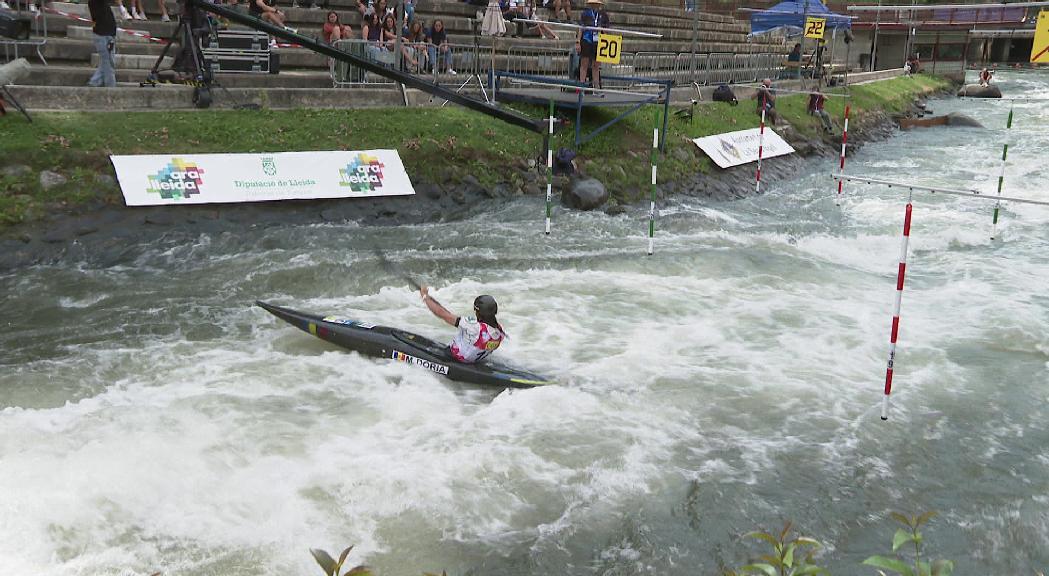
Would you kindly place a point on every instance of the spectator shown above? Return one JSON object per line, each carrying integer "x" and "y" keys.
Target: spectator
{"x": 409, "y": 10}
{"x": 104, "y": 32}
{"x": 437, "y": 45}
{"x": 371, "y": 31}
{"x": 382, "y": 9}
{"x": 512, "y": 10}
{"x": 985, "y": 77}
{"x": 915, "y": 65}
{"x": 365, "y": 8}
{"x": 541, "y": 30}
{"x": 389, "y": 36}
{"x": 795, "y": 55}
{"x": 415, "y": 39}
{"x": 334, "y": 30}
{"x": 816, "y": 59}
{"x": 558, "y": 6}
{"x": 266, "y": 10}
{"x": 586, "y": 40}
{"x": 688, "y": 5}
{"x": 766, "y": 98}
{"x": 816, "y": 102}
{"x": 493, "y": 24}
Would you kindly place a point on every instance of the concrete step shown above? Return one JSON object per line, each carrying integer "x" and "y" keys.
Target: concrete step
{"x": 85, "y": 33}
{"x": 135, "y": 61}
{"x": 133, "y": 97}
{"x": 73, "y": 75}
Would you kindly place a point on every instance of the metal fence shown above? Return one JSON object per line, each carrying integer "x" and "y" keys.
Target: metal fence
{"x": 683, "y": 68}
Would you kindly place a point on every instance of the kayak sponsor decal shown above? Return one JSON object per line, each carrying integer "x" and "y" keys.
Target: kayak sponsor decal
{"x": 187, "y": 178}
{"x": 363, "y": 174}
{"x": 177, "y": 180}
{"x": 433, "y": 366}
{"x": 348, "y": 322}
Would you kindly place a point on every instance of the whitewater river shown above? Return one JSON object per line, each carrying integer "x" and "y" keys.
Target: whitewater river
{"x": 152, "y": 419}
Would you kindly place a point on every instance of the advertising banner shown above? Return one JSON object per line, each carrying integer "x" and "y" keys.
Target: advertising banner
{"x": 148, "y": 180}
{"x": 736, "y": 148}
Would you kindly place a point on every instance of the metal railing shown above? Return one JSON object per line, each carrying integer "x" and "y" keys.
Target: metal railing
{"x": 682, "y": 68}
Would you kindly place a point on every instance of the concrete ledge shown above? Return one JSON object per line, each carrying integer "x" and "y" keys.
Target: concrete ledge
{"x": 181, "y": 98}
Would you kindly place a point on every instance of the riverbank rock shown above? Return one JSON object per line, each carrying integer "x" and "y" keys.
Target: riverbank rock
{"x": 49, "y": 179}
{"x": 15, "y": 170}
{"x": 585, "y": 194}
{"x": 956, "y": 119}
{"x": 977, "y": 91}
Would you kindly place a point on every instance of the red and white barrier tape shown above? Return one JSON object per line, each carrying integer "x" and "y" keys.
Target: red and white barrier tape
{"x": 80, "y": 18}
{"x": 146, "y": 35}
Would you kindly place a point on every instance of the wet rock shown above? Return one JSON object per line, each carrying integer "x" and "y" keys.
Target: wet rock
{"x": 15, "y": 170}
{"x": 531, "y": 189}
{"x": 680, "y": 154}
{"x": 615, "y": 210}
{"x": 428, "y": 190}
{"x": 957, "y": 119}
{"x": 105, "y": 180}
{"x": 585, "y": 194}
{"x": 49, "y": 179}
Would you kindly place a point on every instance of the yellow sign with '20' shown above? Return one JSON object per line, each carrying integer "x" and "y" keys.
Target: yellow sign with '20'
{"x": 609, "y": 48}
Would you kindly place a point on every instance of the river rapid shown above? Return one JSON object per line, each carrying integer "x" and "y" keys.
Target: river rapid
{"x": 152, "y": 419}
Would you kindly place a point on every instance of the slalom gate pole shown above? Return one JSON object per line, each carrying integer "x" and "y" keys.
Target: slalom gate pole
{"x": 655, "y": 168}
{"x": 549, "y": 165}
{"x": 1001, "y": 174}
{"x": 841, "y": 166}
{"x": 896, "y": 308}
{"x": 761, "y": 146}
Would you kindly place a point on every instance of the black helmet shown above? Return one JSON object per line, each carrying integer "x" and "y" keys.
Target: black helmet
{"x": 485, "y": 306}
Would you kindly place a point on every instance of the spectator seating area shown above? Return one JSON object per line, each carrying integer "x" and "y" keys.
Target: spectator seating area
{"x": 70, "y": 54}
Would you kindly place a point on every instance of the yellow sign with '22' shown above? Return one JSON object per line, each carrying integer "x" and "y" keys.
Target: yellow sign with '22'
{"x": 814, "y": 27}
{"x": 609, "y": 48}
{"x": 1040, "y": 50}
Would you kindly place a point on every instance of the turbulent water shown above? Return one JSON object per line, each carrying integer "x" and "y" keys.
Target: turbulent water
{"x": 152, "y": 419}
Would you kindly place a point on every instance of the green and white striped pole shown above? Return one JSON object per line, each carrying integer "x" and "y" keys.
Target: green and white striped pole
{"x": 1001, "y": 174}
{"x": 655, "y": 167}
{"x": 549, "y": 166}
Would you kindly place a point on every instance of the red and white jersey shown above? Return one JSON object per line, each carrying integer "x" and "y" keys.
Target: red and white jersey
{"x": 475, "y": 340}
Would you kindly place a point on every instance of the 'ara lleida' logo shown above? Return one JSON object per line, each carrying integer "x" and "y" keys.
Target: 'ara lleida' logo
{"x": 177, "y": 180}
{"x": 363, "y": 174}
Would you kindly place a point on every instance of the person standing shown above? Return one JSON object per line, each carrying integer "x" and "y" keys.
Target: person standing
{"x": 104, "y": 33}
{"x": 816, "y": 103}
{"x": 586, "y": 41}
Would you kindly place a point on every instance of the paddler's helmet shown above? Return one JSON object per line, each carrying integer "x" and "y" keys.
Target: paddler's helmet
{"x": 485, "y": 306}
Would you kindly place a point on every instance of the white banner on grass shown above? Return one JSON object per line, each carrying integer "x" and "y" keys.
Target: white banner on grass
{"x": 207, "y": 178}
{"x": 736, "y": 148}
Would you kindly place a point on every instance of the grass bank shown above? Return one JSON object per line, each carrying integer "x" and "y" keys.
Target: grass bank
{"x": 440, "y": 145}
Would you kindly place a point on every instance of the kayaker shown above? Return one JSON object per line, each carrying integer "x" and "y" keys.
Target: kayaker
{"x": 478, "y": 335}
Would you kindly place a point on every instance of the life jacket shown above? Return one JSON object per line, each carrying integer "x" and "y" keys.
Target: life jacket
{"x": 468, "y": 348}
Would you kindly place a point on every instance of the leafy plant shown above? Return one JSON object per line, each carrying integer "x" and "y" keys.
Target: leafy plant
{"x": 911, "y": 534}
{"x": 333, "y": 568}
{"x": 786, "y": 558}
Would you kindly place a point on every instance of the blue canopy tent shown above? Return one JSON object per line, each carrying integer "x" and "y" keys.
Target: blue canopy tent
{"x": 791, "y": 15}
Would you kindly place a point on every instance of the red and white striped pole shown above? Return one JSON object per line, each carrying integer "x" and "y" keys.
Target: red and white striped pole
{"x": 841, "y": 167}
{"x": 761, "y": 145}
{"x": 896, "y": 309}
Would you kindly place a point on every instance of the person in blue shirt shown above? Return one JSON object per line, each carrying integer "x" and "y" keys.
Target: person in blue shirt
{"x": 586, "y": 40}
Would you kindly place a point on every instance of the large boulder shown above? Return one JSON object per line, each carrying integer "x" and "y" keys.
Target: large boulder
{"x": 977, "y": 91}
{"x": 585, "y": 194}
{"x": 956, "y": 119}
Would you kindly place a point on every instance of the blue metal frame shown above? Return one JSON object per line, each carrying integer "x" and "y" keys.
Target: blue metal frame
{"x": 580, "y": 138}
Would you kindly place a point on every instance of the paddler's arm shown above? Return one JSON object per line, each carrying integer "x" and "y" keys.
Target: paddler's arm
{"x": 435, "y": 307}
